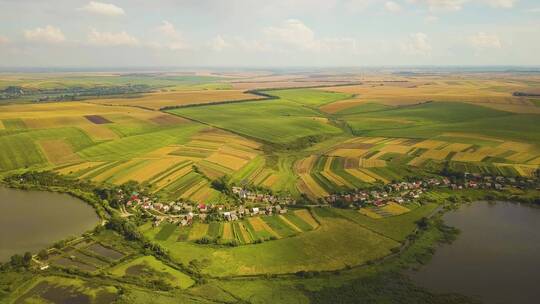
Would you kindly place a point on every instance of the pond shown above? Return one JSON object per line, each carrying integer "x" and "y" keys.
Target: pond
{"x": 33, "y": 220}
{"x": 496, "y": 257}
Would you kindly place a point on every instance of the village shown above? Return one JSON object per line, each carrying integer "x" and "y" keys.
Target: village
{"x": 404, "y": 192}
{"x": 253, "y": 203}
{"x": 184, "y": 212}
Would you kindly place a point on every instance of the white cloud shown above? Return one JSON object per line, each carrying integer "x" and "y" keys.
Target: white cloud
{"x": 441, "y": 5}
{"x": 101, "y": 8}
{"x": 219, "y": 44}
{"x": 456, "y": 5}
{"x": 417, "y": 44}
{"x": 49, "y": 34}
{"x": 431, "y": 19}
{"x": 357, "y": 5}
{"x": 534, "y": 10}
{"x": 293, "y": 33}
{"x": 501, "y": 3}
{"x": 392, "y": 6}
{"x": 483, "y": 40}
{"x": 111, "y": 39}
{"x": 174, "y": 38}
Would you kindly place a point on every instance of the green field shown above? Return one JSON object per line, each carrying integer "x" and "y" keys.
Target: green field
{"x": 346, "y": 242}
{"x": 309, "y": 97}
{"x": 151, "y": 267}
{"x": 274, "y": 121}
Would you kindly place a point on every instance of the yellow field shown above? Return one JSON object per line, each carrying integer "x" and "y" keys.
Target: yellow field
{"x": 260, "y": 225}
{"x": 535, "y": 161}
{"x": 369, "y": 213}
{"x": 526, "y": 170}
{"x": 429, "y": 144}
{"x": 244, "y": 232}
{"x": 98, "y": 132}
{"x": 290, "y": 223}
{"x": 517, "y": 146}
{"x": 204, "y": 194}
{"x": 227, "y": 232}
{"x": 189, "y": 192}
{"x": 197, "y": 231}
{"x": 374, "y": 175}
{"x": 111, "y": 172}
{"x": 521, "y": 157}
{"x": 78, "y": 167}
{"x": 305, "y": 165}
{"x": 171, "y": 178}
{"x": 151, "y": 169}
{"x": 393, "y": 148}
{"x": 312, "y": 185}
{"x": 361, "y": 175}
{"x": 476, "y": 91}
{"x": 247, "y": 155}
{"x": 270, "y": 180}
{"x": 306, "y": 217}
{"x": 436, "y": 154}
{"x": 395, "y": 209}
{"x": 58, "y": 151}
{"x": 345, "y": 152}
{"x": 371, "y": 163}
{"x": 156, "y": 101}
{"x": 226, "y": 160}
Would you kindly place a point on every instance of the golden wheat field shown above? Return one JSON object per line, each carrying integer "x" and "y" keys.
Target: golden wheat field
{"x": 156, "y": 101}
{"x": 406, "y": 92}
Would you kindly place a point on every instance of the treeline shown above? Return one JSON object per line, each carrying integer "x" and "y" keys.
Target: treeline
{"x": 52, "y": 181}
{"x": 73, "y": 93}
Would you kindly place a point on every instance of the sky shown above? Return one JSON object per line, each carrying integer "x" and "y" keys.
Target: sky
{"x": 269, "y": 33}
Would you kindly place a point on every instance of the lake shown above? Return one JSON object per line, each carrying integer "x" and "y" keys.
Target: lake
{"x": 496, "y": 258}
{"x": 33, "y": 220}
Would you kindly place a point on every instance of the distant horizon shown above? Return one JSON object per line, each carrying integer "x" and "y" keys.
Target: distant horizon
{"x": 150, "y": 69}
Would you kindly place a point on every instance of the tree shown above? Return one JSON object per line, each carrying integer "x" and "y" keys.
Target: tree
{"x": 43, "y": 254}
{"x": 27, "y": 259}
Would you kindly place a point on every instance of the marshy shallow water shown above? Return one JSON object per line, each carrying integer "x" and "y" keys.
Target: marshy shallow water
{"x": 496, "y": 257}
{"x": 32, "y": 220}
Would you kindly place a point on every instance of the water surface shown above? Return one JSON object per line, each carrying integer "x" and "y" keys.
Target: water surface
{"x": 32, "y": 220}
{"x": 496, "y": 258}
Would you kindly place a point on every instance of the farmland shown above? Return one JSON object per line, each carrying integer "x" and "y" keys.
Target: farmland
{"x": 204, "y": 145}
{"x": 291, "y": 250}
{"x": 249, "y": 231}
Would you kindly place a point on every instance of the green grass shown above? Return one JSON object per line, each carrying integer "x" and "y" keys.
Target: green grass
{"x": 154, "y": 269}
{"x": 131, "y": 146}
{"x": 14, "y": 124}
{"x": 395, "y": 227}
{"x": 297, "y": 221}
{"x": 215, "y": 230}
{"x": 166, "y": 231}
{"x": 275, "y": 121}
{"x": 21, "y": 150}
{"x": 279, "y": 226}
{"x": 364, "y": 108}
{"x": 341, "y": 241}
{"x": 309, "y": 97}
{"x": 433, "y": 119}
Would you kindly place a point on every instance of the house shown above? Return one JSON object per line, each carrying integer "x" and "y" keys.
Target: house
{"x": 255, "y": 210}
{"x": 202, "y": 208}
{"x": 236, "y": 190}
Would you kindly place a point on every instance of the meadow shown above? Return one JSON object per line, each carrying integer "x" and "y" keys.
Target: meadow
{"x": 274, "y": 121}
{"x": 335, "y": 244}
